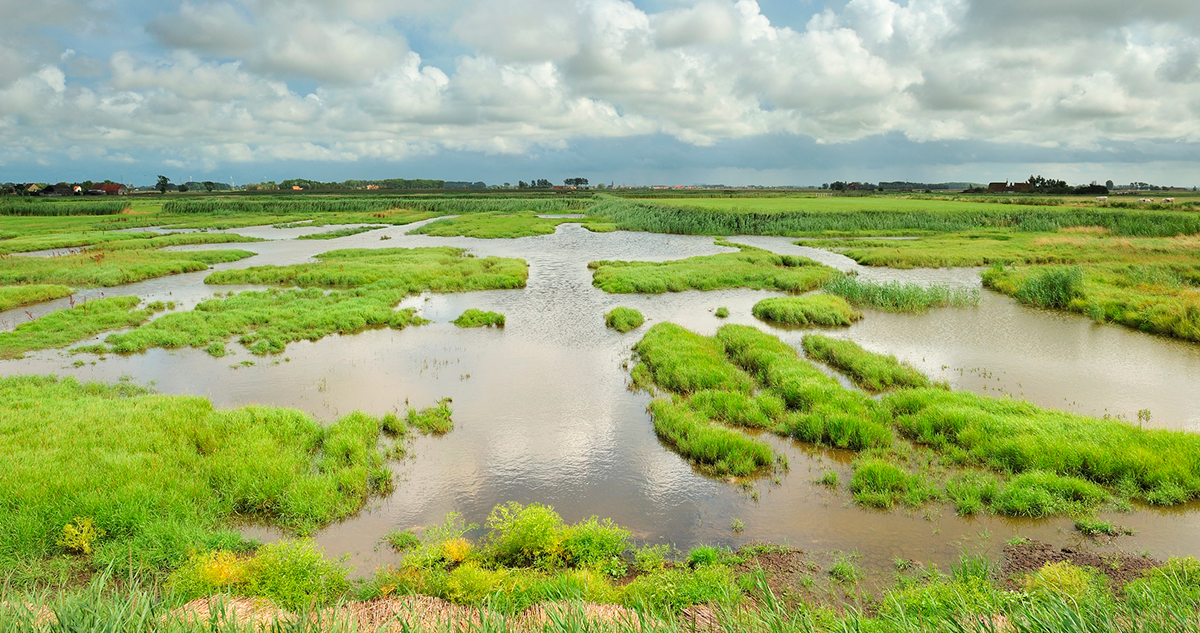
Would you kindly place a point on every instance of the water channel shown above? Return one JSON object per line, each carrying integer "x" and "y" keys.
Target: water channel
{"x": 542, "y": 412}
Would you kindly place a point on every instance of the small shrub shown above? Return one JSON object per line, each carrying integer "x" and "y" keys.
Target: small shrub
{"x": 624, "y": 319}
{"x": 598, "y": 545}
{"x": 295, "y": 575}
{"x": 79, "y": 536}
{"x": 456, "y": 550}
{"x": 207, "y": 574}
{"x": 479, "y": 318}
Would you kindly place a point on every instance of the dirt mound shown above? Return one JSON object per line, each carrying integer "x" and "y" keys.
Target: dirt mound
{"x": 1119, "y": 568}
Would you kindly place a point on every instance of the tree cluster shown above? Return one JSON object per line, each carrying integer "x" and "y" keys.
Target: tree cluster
{"x": 540, "y": 183}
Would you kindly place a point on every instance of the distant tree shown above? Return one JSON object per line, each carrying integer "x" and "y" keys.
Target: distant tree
{"x": 1109, "y": 184}
{"x": 164, "y": 183}
{"x": 838, "y": 186}
{"x": 576, "y": 182}
{"x": 87, "y": 185}
{"x": 521, "y": 184}
{"x": 209, "y": 185}
{"x": 183, "y": 188}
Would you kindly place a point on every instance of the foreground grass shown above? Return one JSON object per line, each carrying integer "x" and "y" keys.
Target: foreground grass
{"x": 895, "y": 296}
{"x": 874, "y": 372}
{"x": 818, "y": 309}
{"x": 95, "y": 475}
{"x": 752, "y": 268}
{"x": 18, "y": 296}
{"x": 918, "y": 443}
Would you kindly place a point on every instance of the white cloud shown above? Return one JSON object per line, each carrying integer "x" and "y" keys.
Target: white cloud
{"x": 543, "y": 72}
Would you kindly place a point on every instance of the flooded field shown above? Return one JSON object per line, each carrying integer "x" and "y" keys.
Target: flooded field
{"x": 543, "y": 413}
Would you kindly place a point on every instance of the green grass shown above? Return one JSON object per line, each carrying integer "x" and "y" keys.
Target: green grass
{"x": 491, "y": 225}
{"x": 105, "y": 268}
{"x": 880, "y": 483}
{"x": 722, "y": 312}
{"x": 874, "y": 372}
{"x": 332, "y": 235}
{"x": 1090, "y": 526}
{"x": 624, "y": 319}
{"x": 29, "y": 237}
{"x": 714, "y": 449}
{"x": 40, "y": 207}
{"x": 1156, "y": 466}
{"x": 265, "y": 322}
{"x": 818, "y": 309}
{"x": 65, "y": 327}
{"x": 18, "y": 296}
{"x": 164, "y": 476}
{"x": 895, "y": 296}
{"x": 435, "y": 420}
{"x": 750, "y": 268}
{"x": 479, "y": 318}
{"x": 684, "y": 362}
{"x": 412, "y": 270}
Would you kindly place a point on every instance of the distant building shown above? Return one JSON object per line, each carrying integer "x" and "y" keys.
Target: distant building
{"x": 1010, "y": 187}
{"x": 110, "y": 189}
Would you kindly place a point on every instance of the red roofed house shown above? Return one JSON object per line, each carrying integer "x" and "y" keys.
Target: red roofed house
{"x": 112, "y": 189}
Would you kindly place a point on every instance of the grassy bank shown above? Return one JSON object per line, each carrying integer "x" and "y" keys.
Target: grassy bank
{"x": 819, "y": 309}
{"x": 66, "y": 327}
{"x": 874, "y": 372}
{"x": 895, "y": 296}
{"x": 333, "y": 235}
{"x": 624, "y": 319}
{"x": 18, "y": 296}
{"x": 918, "y": 444}
{"x": 750, "y": 268}
{"x": 97, "y": 475}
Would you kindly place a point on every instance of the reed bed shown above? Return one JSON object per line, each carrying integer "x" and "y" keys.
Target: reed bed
{"x": 66, "y": 327}
{"x": 895, "y": 296}
{"x": 18, "y": 296}
{"x": 55, "y": 208}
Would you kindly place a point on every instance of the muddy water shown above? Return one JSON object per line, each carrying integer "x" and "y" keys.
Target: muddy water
{"x": 542, "y": 412}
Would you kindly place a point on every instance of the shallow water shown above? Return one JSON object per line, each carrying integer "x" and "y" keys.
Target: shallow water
{"x": 542, "y": 412}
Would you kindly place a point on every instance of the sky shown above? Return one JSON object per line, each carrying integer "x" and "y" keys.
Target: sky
{"x": 778, "y": 92}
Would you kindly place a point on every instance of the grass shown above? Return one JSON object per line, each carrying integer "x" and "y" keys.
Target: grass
{"x": 18, "y": 296}
{"x": 818, "y": 309}
{"x": 479, "y": 318}
{"x": 266, "y": 321}
{"x": 879, "y": 483}
{"x": 714, "y": 449}
{"x": 162, "y": 476}
{"x": 38, "y": 207}
{"x": 332, "y": 235}
{"x": 492, "y": 225}
{"x": 624, "y": 319}
{"x": 895, "y": 296}
{"x": 874, "y": 372}
{"x": 722, "y": 312}
{"x": 435, "y": 420}
{"x": 106, "y": 268}
{"x": 412, "y": 270}
{"x": 750, "y": 268}
{"x": 27, "y": 237}
{"x": 684, "y": 362}
{"x": 65, "y": 327}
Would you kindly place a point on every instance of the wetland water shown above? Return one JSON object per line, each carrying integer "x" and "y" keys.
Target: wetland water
{"x": 542, "y": 412}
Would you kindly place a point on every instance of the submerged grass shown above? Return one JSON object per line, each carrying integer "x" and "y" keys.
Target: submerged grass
{"x": 435, "y": 420}
{"x": 895, "y": 296}
{"x": 624, "y": 319}
{"x": 18, "y": 296}
{"x": 157, "y": 477}
{"x": 750, "y": 268}
{"x": 874, "y": 372}
{"x": 479, "y": 318}
{"x": 818, "y": 309}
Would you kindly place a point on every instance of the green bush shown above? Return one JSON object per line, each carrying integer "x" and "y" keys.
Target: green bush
{"x": 525, "y": 536}
{"x": 596, "y": 544}
{"x": 819, "y": 309}
{"x": 624, "y": 319}
{"x": 292, "y": 573}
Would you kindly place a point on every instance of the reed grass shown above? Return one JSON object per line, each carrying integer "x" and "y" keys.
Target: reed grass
{"x": 478, "y": 318}
{"x": 874, "y": 372}
{"x": 818, "y": 309}
{"x": 624, "y": 319}
{"x": 895, "y": 296}
{"x": 18, "y": 296}
{"x": 752, "y": 268}
{"x": 44, "y": 208}
{"x": 162, "y": 476}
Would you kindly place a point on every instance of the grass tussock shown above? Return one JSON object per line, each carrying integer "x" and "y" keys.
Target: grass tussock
{"x": 435, "y": 420}
{"x": 895, "y": 296}
{"x": 99, "y": 475}
{"x": 874, "y": 372}
{"x": 750, "y": 268}
{"x": 714, "y": 449}
{"x": 333, "y": 235}
{"x": 624, "y": 319}
{"x": 818, "y": 309}
{"x": 479, "y": 318}
{"x": 19, "y": 296}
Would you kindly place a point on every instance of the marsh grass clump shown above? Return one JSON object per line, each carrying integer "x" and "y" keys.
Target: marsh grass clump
{"x": 175, "y": 472}
{"x": 684, "y": 362}
{"x": 1052, "y": 287}
{"x": 479, "y": 318}
{"x": 493, "y": 225}
{"x": 624, "y": 319}
{"x": 750, "y": 268}
{"x": 713, "y": 448}
{"x": 106, "y": 268}
{"x": 401, "y": 540}
{"x": 874, "y": 372}
{"x": 18, "y": 296}
{"x": 435, "y": 420}
{"x": 1091, "y": 526}
{"x": 722, "y": 312}
{"x": 1040, "y": 493}
{"x": 346, "y": 232}
{"x": 895, "y": 296}
{"x": 818, "y": 309}
{"x": 880, "y": 483}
